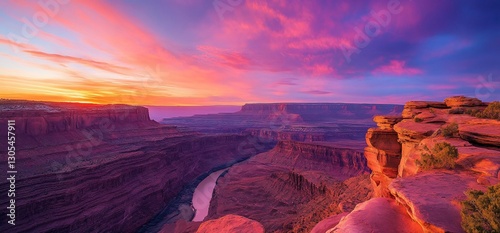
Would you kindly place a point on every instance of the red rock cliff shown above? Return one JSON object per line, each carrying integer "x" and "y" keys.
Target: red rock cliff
{"x": 39, "y": 118}
{"x": 431, "y": 196}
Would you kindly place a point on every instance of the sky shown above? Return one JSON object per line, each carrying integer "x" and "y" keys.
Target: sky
{"x": 231, "y": 52}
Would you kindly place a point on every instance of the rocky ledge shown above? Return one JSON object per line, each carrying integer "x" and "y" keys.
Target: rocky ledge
{"x": 426, "y": 200}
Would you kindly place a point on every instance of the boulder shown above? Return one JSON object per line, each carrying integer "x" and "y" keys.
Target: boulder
{"x": 378, "y": 215}
{"x": 462, "y": 101}
{"x": 231, "y": 223}
{"x": 328, "y": 223}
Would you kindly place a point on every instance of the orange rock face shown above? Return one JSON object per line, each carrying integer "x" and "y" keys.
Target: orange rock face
{"x": 462, "y": 101}
{"x": 485, "y": 132}
{"x": 328, "y": 223}
{"x": 383, "y": 153}
{"x": 378, "y": 215}
{"x": 431, "y": 197}
{"x": 231, "y": 223}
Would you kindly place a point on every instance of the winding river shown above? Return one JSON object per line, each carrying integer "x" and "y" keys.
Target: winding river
{"x": 203, "y": 194}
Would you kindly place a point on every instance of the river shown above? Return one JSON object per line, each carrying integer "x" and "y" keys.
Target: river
{"x": 203, "y": 194}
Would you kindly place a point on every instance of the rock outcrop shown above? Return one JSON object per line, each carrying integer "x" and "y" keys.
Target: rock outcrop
{"x": 462, "y": 101}
{"x": 383, "y": 153}
{"x": 481, "y": 131}
{"x": 378, "y": 215}
{"x": 431, "y": 197}
{"x": 328, "y": 223}
{"x": 78, "y": 174}
{"x": 231, "y": 223}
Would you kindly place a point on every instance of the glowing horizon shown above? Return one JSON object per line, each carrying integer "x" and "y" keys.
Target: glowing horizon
{"x": 218, "y": 52}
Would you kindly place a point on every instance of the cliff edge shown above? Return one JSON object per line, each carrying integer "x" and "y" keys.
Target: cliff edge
{"x": 399, "y": 152}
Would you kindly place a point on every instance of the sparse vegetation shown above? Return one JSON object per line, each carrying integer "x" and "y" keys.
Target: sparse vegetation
{"x": 490, "y": 112}
{"x": 443, "y": 155}
{"x": 418, "y": 119}
{"x": 481, "y": 211}
{"x": 451, "y": 130}
{"x": 457, "y": 111}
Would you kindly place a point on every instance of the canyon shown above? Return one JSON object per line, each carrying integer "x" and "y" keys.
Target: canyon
{"x": 292, "y": 121}
{"x": 284, "y": 167}
{"x": 87, "y": 168}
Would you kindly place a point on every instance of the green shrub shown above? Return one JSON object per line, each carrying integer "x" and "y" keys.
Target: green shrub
{"x": 490, "y": 112}
{"x": 450, "y": 130}
{"x": 481, "y": 211}
{"x": 418, "y": 119}
{"x": 443, "y": 155}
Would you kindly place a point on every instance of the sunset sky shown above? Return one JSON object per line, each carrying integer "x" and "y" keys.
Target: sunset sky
{"x": 229, "y": 52}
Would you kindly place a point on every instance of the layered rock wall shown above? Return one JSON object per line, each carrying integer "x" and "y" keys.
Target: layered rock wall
{"x": 40, "y": 118}
{"x": 310, "y": 111}
{"x": 431, "y": 196}
{"x": 80, "y": 177}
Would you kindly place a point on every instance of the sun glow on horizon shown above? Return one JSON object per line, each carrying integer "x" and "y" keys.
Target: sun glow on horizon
{"x": 183, "y": 53}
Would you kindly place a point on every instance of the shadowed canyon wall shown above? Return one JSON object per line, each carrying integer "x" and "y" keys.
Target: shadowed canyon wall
{"x": 84, "y": 168}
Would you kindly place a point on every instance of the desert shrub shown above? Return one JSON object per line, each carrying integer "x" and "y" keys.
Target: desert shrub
{"x": 418, "y": 119}
{"x": 490, "y": 112}
{"x": 481, "y": 211}
{"x": 456, "y": 111}
{"x": 450, "y": 130}
{"x": 442, "y": 155}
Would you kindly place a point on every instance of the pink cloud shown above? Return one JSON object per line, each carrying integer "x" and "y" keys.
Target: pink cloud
{"x": 224, "y": 57}
{"x": 396, "y": 67}
{"x": 440, "y": 87}
{"x": 320, "y": 69}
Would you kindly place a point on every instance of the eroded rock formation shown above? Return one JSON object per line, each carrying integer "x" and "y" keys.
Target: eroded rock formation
{"x": 430, "y": 197}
